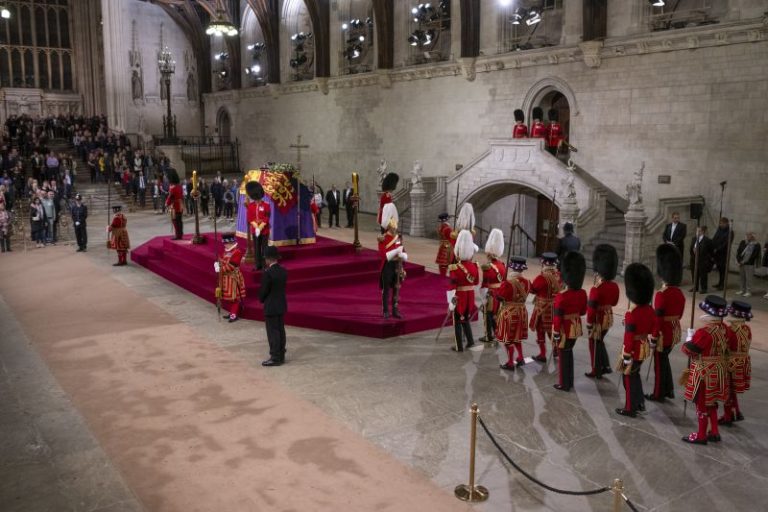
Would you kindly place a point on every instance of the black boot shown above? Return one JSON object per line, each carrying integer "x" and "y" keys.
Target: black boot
{"x": 385, "y": 301}
{"x": 395, "y": 301}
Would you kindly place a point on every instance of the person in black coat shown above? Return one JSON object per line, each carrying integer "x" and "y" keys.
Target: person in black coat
{"x": 721, "y": 242}
{"x": 333, "y": 199}
{"x": 349, "y": 205}
{"x": 675, "y": 233}
{"x": 703, "y": 245}
{"x": 568, "y": 243}
{"x": 79, "y": 216}
{"x": 272, "y": 295}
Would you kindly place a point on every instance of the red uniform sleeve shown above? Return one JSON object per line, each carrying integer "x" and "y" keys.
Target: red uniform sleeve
{"x": 629, "y": 333}
{"x": 697, "y": 345}
{"x": 583, "y": 301}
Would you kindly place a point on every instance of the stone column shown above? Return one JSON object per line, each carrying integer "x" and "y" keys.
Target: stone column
{"x": 633, "y": 243}
{"x": 569, "y": 212}
{"x": 572, "y": 23}
{"x": 417, "y": 209}
{"x": 116, "y": 69}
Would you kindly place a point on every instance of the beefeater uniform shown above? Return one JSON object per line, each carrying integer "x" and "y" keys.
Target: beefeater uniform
{"x": 512, "y": 318}
{"x": 118, "y": 238}
{"x": 739, "y": 363}
{"x": 258, "y": 216}
{"x": 545, "y": 286}
{"x": 232, "y": 282}
{"x": 603, "y": 297}
{"x": 669, "y": 304}
{"x": 175, "y": 204}
{"x": 445, "y": 249}
{"x": 494, "y": 275}
{"x": 464, "y": 276}
{"x": 570, "y": 305}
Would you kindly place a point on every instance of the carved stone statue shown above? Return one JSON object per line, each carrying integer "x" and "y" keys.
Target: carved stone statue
{"x": 570, "y": 181}
{"x": 137, "y": 87}
{"x": 416, "y": 174}
{"x": 191, "y": 87}
{"x": 382, "y": 171}
{"x": 635, "y": 188}
{"x": 134, "y": 59}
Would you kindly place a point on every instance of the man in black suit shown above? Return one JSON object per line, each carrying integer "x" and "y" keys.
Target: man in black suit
{"x": 333, "y": 199}
{"x": 79, "y": 216}
{"x": 721, "y": 242}
{"x": 702, "y": 245}
{"x": 348, "y": 204}
{"x": 272, "y": 295}
{"x": 569, "y": 242}
{"x": 675, "y": 233}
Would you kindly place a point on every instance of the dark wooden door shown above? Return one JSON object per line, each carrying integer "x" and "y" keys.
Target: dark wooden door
{"x": 547, "y": 215}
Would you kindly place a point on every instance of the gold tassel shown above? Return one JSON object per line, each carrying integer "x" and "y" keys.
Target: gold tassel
{"x": 683, "y": 381}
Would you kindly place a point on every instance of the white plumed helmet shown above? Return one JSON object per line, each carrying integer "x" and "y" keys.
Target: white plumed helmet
{"x": 389, "y": 215}
{"x": 494, "y": 246}
{"x": 465, "y": 246}
{"x": 466, "y": 218}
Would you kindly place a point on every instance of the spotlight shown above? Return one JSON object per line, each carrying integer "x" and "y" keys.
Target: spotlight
{"x": 533, "y": 17}
{"x": 657, "y": 3}
{"x": 415, "y": 10}
{"x": 505, "y": 3}
{"x": 361, "y": 38}
{"x": 251, "y": 46}
{"x": 413, "y": 39}
{"x": 518, "y": 15}
{"x": 255, "y": 69}
{"x": 344, "y": 26}
{"x": 5, "y": 13}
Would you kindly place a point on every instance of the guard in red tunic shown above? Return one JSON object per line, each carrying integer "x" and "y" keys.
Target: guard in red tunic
{"x": 393, "y": 256}
{"x": 545, "y": 286}
{"x": 258, "y": 216}
{"x": 739, "y": 362}
{"x": 669, "y": 304}
{"x": 538, "y": 128}
{"x": 465, "y": 275}
{"x": 494, "y": 272}
{"x": 512, "y": 318}
{"x": 705, "y": 379}
{"x": 520, "y": 130}
{"x": 569, "y": 306}
{"x": 603, "y": 296}
{"x": 638, "y": 325}
{"x": 118, "y": 236}
{"x": 445, "y": 250}
{"x": 175, "y": 204}
{"x": 388, "y": 186}
{"x": 231, "y": 285}
{"x": 554, "y": 132}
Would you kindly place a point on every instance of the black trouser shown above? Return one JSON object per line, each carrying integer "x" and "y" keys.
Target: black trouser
{"x": 633, "y": 388}
{"x": 259, "y": 246}
{"x": 490, "y": 326}
{"x": 333, "y": 212}
{"x": 217, "y": 205}
{"x": 178, "y": 224}
{"x": 565, "y": 364}
{"x": 388, "y": 282}
{"x": 276, "y": 336}
{"x": 5, "y": 242}
{"x": 664, "y": 385}
{"x": 701, "y": 285}
{"x": 350, "y": 215}
{"x": 462, "y": 328}
{"x": 721, "y": 268}
{"x": 81, "y": 233}
{"x": 142, "y": 197}
{"x": 600, "y": 364}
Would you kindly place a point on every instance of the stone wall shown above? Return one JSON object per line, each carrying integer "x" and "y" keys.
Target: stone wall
{"x": 690, "y": 103}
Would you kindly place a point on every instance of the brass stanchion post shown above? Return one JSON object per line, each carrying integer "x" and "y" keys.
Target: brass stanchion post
{"x": 618, "y": 491}
{"x": 472, "y": 492}
{"x": 356, "y": 199}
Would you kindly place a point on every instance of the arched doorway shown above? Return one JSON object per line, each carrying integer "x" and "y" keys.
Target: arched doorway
{"x": 527, "y": 217}
{"x": 224, "y": 125}
{"x": 555, "y": 100}
{"x": 553, "y": 93}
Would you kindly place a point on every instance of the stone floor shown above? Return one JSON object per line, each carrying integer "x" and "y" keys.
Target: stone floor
{"x": 409, "y": 396}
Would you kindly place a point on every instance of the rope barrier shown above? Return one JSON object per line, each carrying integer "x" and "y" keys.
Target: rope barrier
{"x": 629, "y": 503}
{"x": 532, "y": 478}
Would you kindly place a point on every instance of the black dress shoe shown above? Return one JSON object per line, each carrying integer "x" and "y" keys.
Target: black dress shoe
{"x": 739, "y": 417}
{"x": 654, "y": 399}
{"x": 225, "y": 317}
{"x": 271, "y": 362}
{"x": 591, "y": 375}
{"x": 457, "y": 349}
{"x": 561, "y": 388}
{"x": 386, "y": 315}
{"x": 520, "y": 362}
{"x": 117, "y": 264}
{"x": 540, "y": 359}
{"x": 396, "y": 314}
{"x": 79, "y": 249}
{"x": 670, "y": 395}
{"x": 607, "y": 370}
{"x": 624, "y": 412}
{"x": 714, "y": 438}
{"x": 471, "y": 344}
{"x": 693, "y": 439}
{"x": 507, "y": 366}
{"x": 233, "y": 319}
{"x": 641, "y": 408}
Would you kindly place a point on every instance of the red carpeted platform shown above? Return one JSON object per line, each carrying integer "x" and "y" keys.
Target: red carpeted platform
{"x": 330, "y": 286}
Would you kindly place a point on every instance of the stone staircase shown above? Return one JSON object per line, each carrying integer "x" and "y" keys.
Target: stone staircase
{"x": 614, "y": 233}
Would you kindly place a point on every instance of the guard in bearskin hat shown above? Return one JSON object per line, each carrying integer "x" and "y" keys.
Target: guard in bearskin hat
{"x": 231, "y": 285}
{"x": 118, "y": 236}
{"x": 520, "y": 130}
{"x": 538, "y": 128}
{"x": 494, "y": 272}
{"x": 569, "y": 306}
{"x": 669, "y": 304}
{"x": 393, "y": 256}
{"x": 603, "y": 296}
{"x": 739, "y": 362}
{"x": 512, "y": 318}
{"x": 544, "y": 287}
{"x": 638, "y": 325}
{"x": 175, "y": 203}
{"x": 258, "y": 216}
{"x": 705, "y": 378}
{"x": 554, "y": 132}
{"x": 465, "y": 275}
{"x": 388, "y": 186}
{"x": 445, "y": 250}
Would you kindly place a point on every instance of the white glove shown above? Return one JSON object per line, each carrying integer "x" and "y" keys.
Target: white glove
{"x": 691, "y": 332}
{"x": 627, "y": 360}
{"x": 404, "y": 256}
{"x": 451, "y": 296}
{"x": 216, "y": 266}
{"x": 77, "y": 223}
{"x": 393, "y": 253}
{"x": 257, "y": 232}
